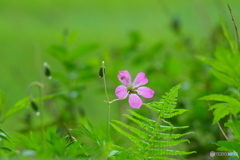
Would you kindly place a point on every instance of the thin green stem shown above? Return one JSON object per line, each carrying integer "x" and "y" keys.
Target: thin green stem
{"x": 220, "y": 127}
{"x": 104, "y": 81}
{"x": 40, "y": 84}
{"x": 109, "y": 104}
{"x": 41, "y": 110}
{"x": 117, "y": 99}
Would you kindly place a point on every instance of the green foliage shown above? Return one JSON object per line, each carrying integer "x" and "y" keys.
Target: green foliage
{"x": 151, "y": 138}
{"x": 79, "y": 68}
{"x": 50, "y": 144}
{"x": 167, "y": 58}
{"x": 68, "y": 54}
{"x": 98, "y": 145}
{"x": 25, "y": 102}
{"x": 234, "y": 124}
{"x": 4, "y": 136}
{"x": 231, "y": 43}
{"x": 228, "y": 106}
{"x": 233, "y": 146}
{"x": 225, "y": 66}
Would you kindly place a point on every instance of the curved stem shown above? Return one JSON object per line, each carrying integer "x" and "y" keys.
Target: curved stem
{"x": 109, "y": 107}
{"x": 220, "y": 127}
{"x": 29, "y": 91}
{"x": 117, "y": 99}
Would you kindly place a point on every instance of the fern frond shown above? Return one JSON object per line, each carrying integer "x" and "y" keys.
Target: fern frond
{"x": 140, "y": 117}
{"x": 173, "y": 136}
{"x": 167, "y": 128}
{"x": 168, "y": 143}
{"x": 143, "y": 125}
{"x": 131, "y": 137}
{"x": 123, "y": 153}
{"x": 134, "y": 130}
{"x": 173, "y": 112}
{"x": 153, "y": 106}
{"x": 150, "y": 137}
{"x": 168, "y": 152}
{"x": 162, "y": 158}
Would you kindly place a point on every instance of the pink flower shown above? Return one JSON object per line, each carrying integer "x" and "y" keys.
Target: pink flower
{"x": 133, "y": 89}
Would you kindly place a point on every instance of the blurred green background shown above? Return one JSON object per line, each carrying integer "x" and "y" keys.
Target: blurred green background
{"x": 159, "y": 37}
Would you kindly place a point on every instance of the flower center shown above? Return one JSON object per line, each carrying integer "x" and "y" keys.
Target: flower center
{"x": 131, "y": 89}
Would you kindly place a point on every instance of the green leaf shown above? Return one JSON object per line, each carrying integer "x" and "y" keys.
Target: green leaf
{"x": 60, "y": 77}
{"x": 227, "y": 36}
{"x": 3, "y": 136}
{"x": 112, "y": 153}
{"x": 220, "y": 112}
{"x": 72, "y": 38}
{"x": 204, "y": 59}
{"x": 1, "y": 130}
{"x": 225, "y": 78}
{"x": 25, "y": 102}
{"x": 211, "y": 142}
{"x": 225, "y": 66}
{"x": 230, "y": 145}
{"x": 58, "y": 51}
{"x": 234, "y": 125}
{"x": 51, "y": 96}
{"x": 5, "y": 148}
{"x": 232, "y": 103}
{"x": 20, "y": 105}
{"x": 81, "y": 50}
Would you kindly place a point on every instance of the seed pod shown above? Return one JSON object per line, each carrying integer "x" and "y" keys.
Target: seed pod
{"x": 176, "y": 25}
{"x": 101, "y": 72}
{"x": 34, "y": 105}
{"x": 47, "y": 71}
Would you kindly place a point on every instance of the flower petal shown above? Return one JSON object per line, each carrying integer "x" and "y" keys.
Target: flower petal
{"x": 124, "y": 77}
{"x": 140, "y": 79}
{"x": 134, "y": 101}
{"x": 121, "y": 91}
{"x": 145, "y": 92}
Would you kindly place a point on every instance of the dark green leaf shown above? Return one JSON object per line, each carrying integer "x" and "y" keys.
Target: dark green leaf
{"x": 221, "y": 110}
{"x": 230, "y": 145}
{"x": 5, "y": 148}
{"x": 81, "y": 50}
{"x": 58, "y": 51}
{"x": 25, "y": 102}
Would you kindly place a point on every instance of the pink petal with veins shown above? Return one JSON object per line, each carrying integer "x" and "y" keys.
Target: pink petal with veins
{"x": 134, "y": 101}
{"x": 121, "y": 91}
{"x": 125, "y": 77}
{"x": 140, "y": 80}
{"x": 145, "y": 92}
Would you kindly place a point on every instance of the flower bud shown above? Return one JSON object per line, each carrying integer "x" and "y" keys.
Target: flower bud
{"x": 176, "y": 25}
{"x": 47, "y": 71}
{"x": 101, "y": 72}
{"x": 34, "y": 105}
